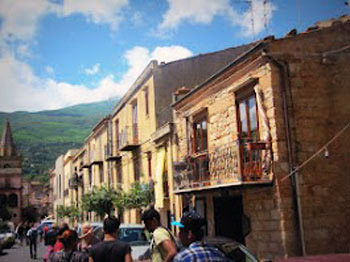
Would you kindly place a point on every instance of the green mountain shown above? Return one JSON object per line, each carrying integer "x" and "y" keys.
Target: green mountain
{"x": 43, "y": 136}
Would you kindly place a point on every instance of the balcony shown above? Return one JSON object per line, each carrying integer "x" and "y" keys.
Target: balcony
{"x": 109, "y": 156}
{"x": 129, "y": 139}
{"x": 75, "y": 182}
{"x": 227, "y": 166}
{"x": 95, "y": 158}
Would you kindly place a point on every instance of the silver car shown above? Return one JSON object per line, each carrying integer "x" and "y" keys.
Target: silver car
{"x": 134, "y": 234}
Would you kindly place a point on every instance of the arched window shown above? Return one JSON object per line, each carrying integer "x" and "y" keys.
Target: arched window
{"x": 13, "y": 200}
{"x": 2, "y": 200}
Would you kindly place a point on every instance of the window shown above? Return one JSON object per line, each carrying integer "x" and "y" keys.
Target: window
{"x": 90, "y": 177}
{"x": 13, "y": 200}
{"x": 119, "y": 173}
{"x": 136, "y": 163}
{"x": 149, "y": 161}
{"x": 100, "y": 170}
{"x": 134, "y": 123}
{"x": 248, "y": 130}
{"x": 200, "y": 132}
{"x": 200, "y": 145}
{"x": 146, "y": 101}
{"x": 3, "y": 201}
{"x": 117, "y": 143}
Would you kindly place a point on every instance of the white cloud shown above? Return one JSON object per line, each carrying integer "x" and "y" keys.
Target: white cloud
{"x": 21, "y": 89}
{"x": 20, "y": 18}
{"x": 203, "y": 12}
{"x": 105, "y": 11}
{"x": 197, "y": 11}
{"x": 93, "y": 70}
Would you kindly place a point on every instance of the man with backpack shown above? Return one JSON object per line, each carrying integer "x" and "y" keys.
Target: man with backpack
{"x": 32, "y": 235}
{"x": 163, "y": 245}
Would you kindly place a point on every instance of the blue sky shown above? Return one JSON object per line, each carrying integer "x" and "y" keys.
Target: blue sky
{"x": 56, "y": 53}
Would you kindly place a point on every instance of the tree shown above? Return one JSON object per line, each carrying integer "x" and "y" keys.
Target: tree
{"x": 140, "y": 195}
{"x": 101, "y": 200}
{"x": 70, "y": 212}
{"x": 30, "y": 213}
{"x": 5, "y": 214}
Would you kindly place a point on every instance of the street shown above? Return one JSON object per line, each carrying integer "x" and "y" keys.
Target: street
{"x": 21, "y": 253}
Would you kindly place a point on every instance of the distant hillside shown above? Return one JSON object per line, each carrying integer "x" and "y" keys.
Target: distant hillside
{"x": 43, "y": 136}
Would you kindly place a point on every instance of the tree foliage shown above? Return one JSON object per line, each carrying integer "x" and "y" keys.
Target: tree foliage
{"x": 100, "y": 200}
{"x": 5, "y": 214}
{"x": 103, "y": 200}
{"x": 71, "y": 212}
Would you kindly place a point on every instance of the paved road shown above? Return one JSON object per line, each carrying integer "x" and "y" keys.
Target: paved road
{"x": 21, "y": 253}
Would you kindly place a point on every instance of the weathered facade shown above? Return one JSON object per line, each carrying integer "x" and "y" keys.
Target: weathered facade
{"x": 241, "y": 133}
{"x": 10, "y": 175}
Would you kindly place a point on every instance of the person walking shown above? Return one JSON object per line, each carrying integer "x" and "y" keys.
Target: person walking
{"x": 87, "y": 239}
{"x": 110, "y": 249}
{"x": 69, "y": 239}
{"x": 163, "y": 244}
{"x": 20, "y": 233}
{"x": 191, "y": 236}
{"x": 50, "y": 239}
{"x": 32, "y": 235}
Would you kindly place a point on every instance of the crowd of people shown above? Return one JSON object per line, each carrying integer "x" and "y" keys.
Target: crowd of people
{"x": 64, "y": 245}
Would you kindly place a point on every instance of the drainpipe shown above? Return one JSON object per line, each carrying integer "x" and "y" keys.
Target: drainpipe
{"x": 283, "y": 68}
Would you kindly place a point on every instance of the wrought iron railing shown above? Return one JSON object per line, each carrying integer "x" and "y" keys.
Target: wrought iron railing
{"x": 225, "y": 165}
{"x": 128, "y": 137}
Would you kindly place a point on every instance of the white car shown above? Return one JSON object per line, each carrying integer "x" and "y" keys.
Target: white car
{"x": 134, "y": 234}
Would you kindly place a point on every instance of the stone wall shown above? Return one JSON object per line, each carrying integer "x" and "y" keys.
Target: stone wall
{"x": 319, "y": 76}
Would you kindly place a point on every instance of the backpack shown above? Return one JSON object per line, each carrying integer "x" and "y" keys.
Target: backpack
{"x": 33, "y": 234}
{"x": 50, "y": 237}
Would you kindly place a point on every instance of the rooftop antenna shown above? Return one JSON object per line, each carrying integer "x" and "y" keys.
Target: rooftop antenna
{"x": 252, "y": 17}
{"x": 265, "y": 17}
{"x": 299, "y": 15}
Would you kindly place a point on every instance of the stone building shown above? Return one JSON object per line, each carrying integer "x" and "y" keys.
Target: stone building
{"x": 281, "y": 107}
{"x": 10, "y": 175}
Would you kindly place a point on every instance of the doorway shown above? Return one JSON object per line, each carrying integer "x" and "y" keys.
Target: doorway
{"x": 228, "y": 215}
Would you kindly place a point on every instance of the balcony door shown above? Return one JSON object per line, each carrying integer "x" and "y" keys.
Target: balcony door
{"x": 248, "y": 133}
{"x": 135, "y": 131}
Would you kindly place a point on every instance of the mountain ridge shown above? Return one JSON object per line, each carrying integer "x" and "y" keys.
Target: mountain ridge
{"x": 44, "y": 135}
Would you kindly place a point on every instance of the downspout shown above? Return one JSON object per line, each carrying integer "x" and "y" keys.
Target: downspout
{"x": 283, "y": 68}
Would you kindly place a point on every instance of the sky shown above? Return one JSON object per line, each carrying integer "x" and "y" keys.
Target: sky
{"x": 57, "y": 53}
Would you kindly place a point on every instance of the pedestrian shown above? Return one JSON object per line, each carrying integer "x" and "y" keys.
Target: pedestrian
{"x": 69, "y": 239}
{"x": 50, "y": 238}
{"x": 191, "y": 236}
{"x": 163, "y": 245}
{"x": 32, "y": 235}
{"x": 111, "y": 249}
{"x": 87, "y": 239}
{"x": 59, "y": 245}
{"x": 26, "y": 229}
{"x": 20, "y": 233}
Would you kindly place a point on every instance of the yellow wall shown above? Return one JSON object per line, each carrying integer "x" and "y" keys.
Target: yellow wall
{"x": 146, "y": 126}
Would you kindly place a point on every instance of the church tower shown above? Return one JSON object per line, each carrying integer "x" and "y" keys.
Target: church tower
{"x": 10, "y": 177}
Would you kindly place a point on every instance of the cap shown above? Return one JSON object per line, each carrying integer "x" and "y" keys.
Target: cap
{"x": 190, "y": 220}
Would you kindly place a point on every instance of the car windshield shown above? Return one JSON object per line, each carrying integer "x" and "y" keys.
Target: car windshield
{"x": 134, "y": 236}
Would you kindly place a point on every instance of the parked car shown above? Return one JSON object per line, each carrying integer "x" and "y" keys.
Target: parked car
{"x": 134, "y": 234}
{"x": 233, "y": 250}
{"x": 7, "y": 238}
{"x": 318, "y": 258}
{"x": 94, "y": 225}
